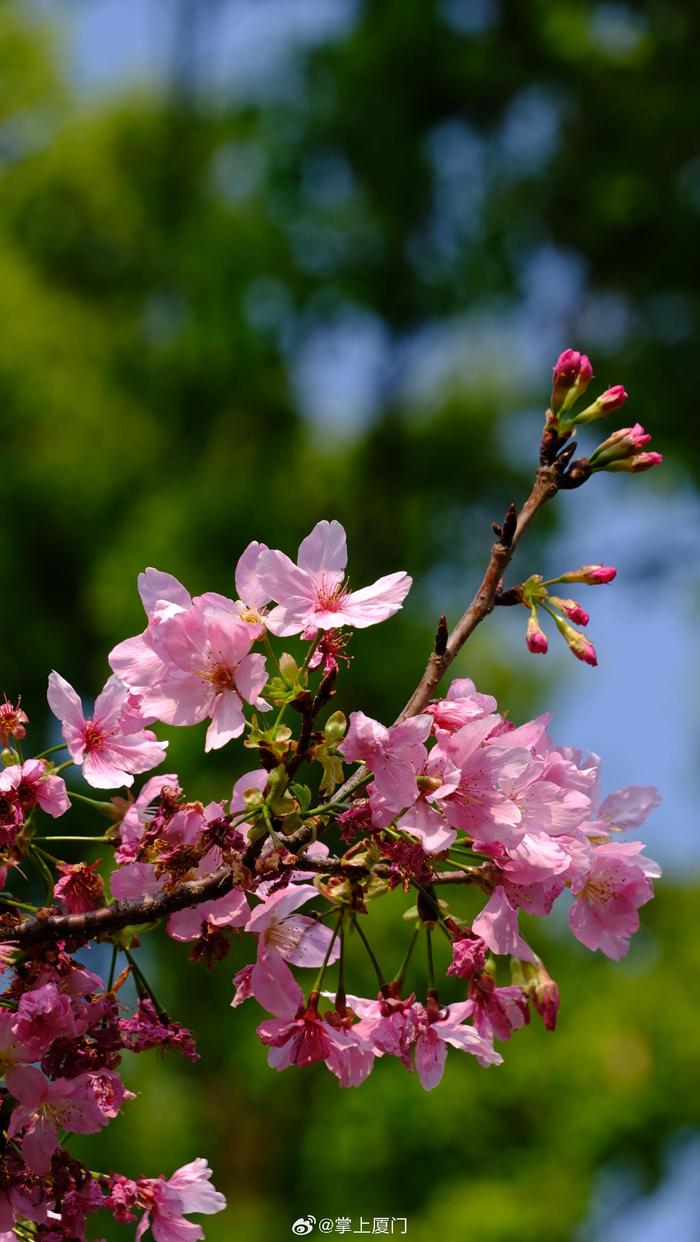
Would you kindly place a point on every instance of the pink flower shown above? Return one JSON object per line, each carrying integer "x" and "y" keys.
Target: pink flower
{"x": 301, "y": 940}
{"x": 166, "y": 1202}
{"x": 231, "y": 910}
{"x": 140, "y": 814}
{"x": 498, "y": 927}
{"x": 394, "y": 755}
{"x": 30, "y": 785}
{"x": 208, "y": 671}
{"x": 405, "y": 1029}
{"x": 82, "y": 1105}
{"x": 608, "y": 894}
{"x": 252, "y": 596}
{"x": 310, "y": 1037}
{"x": 313, "y": 594}
{"x": 42, "y": 1016}
{"x": 628, "y": 808}
{"x": 497, "y": 1011}
{"x": 12, "y": 722}
{"x": 461, "y": 704}
{"x": 438, "y": 1028}
{"x": 80, "y": 889}
{"x": 112, "y": 744}
{"x": 468, "y": 956}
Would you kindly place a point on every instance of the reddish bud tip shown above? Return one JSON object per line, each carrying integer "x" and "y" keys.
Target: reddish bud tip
{"x": 571, "y": 376}
{"x": 535, "y": 636}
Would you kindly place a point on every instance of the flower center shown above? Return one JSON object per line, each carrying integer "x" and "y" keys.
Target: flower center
{"x": 94, "y": 737}
{"x": 221, "y": 676}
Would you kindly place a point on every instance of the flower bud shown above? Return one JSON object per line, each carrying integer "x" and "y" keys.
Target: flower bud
{"x": 535, "y": 636}
{"x": 572, "y": 375}
{"x": 611, "y": 399}
{"x": 637, "y": 463}
{"x": 571, "y": 609}
{"x": 581, "y": 646}
{"x": 591, "y": 575}
{"x": 12, "y": 722}
{"x": 622, "y": 451}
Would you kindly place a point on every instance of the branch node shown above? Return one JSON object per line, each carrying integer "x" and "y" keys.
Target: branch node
{"x": 441, "y": 636}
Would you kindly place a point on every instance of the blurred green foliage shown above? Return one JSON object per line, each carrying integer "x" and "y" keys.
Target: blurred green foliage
{"x": 164, "y": 261}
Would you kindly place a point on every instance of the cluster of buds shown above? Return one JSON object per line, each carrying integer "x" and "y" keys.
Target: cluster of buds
{"x": 534, "y": 593}
{"x": 623, "y": 450}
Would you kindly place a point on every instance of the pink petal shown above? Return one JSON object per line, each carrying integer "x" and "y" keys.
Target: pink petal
{"x": 498, "y": 926}
{"x": 64, "y": 702}
{"x": 375, "y": 603}
{"x": 274, "y": 986}
{"x": 154, "y": 585}
{"x": 324, "y": 554}
{"x": 227, "y": 720}
{"x": 251, "y": 676}
{"x": 248, "y": 584}
{"x": 134, "y": 881}
{"x": 100, "y": 771}
{"x": 431, "y": 1054}
{"x": 39, "y": 1144}
{"x": 135, "y": 661}
{"x": 284, "y": 581}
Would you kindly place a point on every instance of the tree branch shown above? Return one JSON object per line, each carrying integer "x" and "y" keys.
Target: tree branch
{"x": 193, "y": 892}
{"x": 107, "y": 919}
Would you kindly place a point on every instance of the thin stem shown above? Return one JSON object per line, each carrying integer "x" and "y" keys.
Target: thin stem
{"x": 142, "y": 984}
{"x": 43, "y": 754}
{"x": 85, "y": 840}
{"x": 319, "y": 978}
{"x": 401, "y": 972}
{"x": 377, "y": 968}
{"x": 112, "y": 967}
{"x": 431, "y": 964}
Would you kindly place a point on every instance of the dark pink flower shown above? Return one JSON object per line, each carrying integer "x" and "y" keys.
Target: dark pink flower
{"x": 80, "y": 888}
{"x": 497, "y": 1012}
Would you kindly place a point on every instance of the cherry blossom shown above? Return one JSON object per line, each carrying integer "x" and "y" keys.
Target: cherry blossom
{"x": 112, "y": 744}
{"x": 313, "y": 594}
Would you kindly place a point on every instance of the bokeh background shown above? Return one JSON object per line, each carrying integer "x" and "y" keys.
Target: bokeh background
{"x": 264, "y": 261}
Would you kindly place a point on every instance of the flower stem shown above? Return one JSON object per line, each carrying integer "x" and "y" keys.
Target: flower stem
{"x": 381, "y": 978}
{"x": 401, "y": 972}
{"x": 50, "y": 751}
{"x": 319, "y": 978}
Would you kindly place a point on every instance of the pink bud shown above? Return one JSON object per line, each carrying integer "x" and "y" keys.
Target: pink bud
{"x": 571, "y": 609}
{"x": 612, "y": 398}
{"x": 535, "y": 636}
{"x": 581, "y": 646}
{"x": 621, "y": 451}
{"x": 571, "y": 377}
{"x": 637, "y": 463}
{"x": 591, "y": 575}
{"x": 595, "y": 575}
{"x": 608, "y": 401}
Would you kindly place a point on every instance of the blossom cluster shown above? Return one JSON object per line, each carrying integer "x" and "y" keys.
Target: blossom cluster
{"x": 328, "y": 818}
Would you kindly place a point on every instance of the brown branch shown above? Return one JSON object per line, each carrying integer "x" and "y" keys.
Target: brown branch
{"x": 194, "y": 892}
{"x": 120, "y": 914}
{"x": 544, "y": 488}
